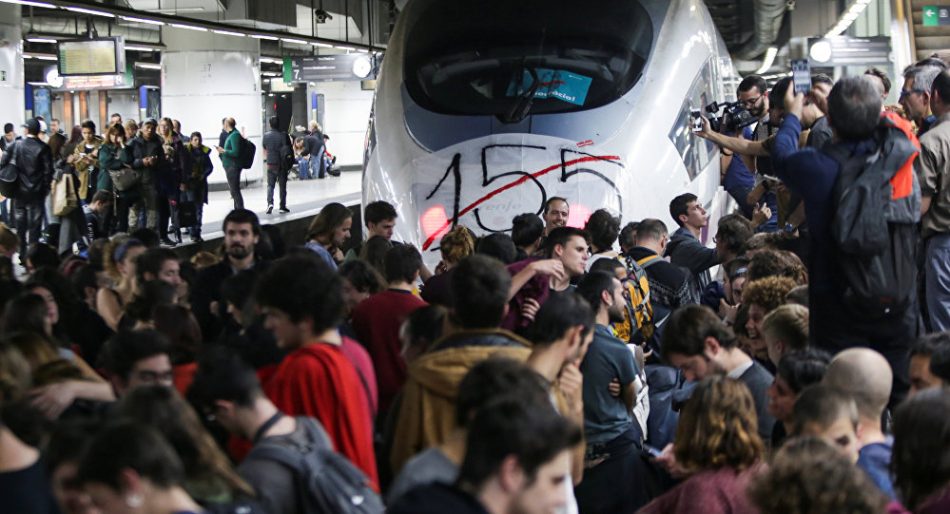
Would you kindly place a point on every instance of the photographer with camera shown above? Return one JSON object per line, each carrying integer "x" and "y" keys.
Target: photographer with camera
{"x": 791, "y": 214}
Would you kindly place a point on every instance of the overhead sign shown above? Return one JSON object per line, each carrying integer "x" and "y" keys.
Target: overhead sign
{"x": 103, "y": 56}
{"x": 847, "y": 50}
{"x": 90, "y": 82}
{"x": 329, "y": 68}
{"x": 935, "y": 15}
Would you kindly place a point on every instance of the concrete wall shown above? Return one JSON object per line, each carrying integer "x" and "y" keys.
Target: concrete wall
{"x": 11, "y": 66}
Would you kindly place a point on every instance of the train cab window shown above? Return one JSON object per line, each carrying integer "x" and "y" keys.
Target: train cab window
{"x": 512, "y": 59}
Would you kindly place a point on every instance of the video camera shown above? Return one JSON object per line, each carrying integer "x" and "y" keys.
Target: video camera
{"x": 733, "y": 119}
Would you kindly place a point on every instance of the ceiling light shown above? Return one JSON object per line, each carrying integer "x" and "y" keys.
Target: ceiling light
{"x": 270, "y": 74}
{"x": 264, "y": 36}
{"x": 42, "y": 57}
{"x": 188, "y": 27}
{"x": 142, "y": 20}
{"x": 137, "y": 48}
{"x": 40, "y": 40}
{"x": 148, "y": 66}
{"x": 176, "y": 10}
{"x": 820, "y": 51}
{"x": 322, "y": 45}
{"x": 271, "y": 60}
{"x": 228, "y": 33}
{"x": 768, "y": 61}
{"x": 294, "y": 41}
{"x": 93, "y": 12}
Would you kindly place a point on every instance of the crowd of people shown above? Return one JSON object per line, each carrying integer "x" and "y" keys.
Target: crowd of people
{"x": 798, "y": 366}
{"x": 70, "y": 191}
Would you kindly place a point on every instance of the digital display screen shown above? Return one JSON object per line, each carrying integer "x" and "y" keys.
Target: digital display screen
{"x": 89, "y": 57}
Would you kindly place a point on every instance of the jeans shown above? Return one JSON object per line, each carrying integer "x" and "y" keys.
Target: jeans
{"x": 317, "y": 168}
{"x": 234, "y": 184}
{"x": 147, "y": 201}
{"x": 72, "y": 228}
{"x": 197, "y": 197}
{"x": 303, "y": 168}
{"x": 29, "y": 214}
{"x": 278, "y": 176}
{"x": 937, "y": 281}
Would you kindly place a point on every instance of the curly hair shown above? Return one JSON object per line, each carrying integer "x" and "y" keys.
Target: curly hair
{"x": 458, "y": 244}
{"x": 809, "y": 475}
{"x": 718, "y": 427}
{"x": 781, "y": 263}
{"x": 603, "y": 228}
{"x": 768, "y": 293}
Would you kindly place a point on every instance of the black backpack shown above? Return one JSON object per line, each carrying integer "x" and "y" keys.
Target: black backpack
{"x": 10, "y": 173}
{"x": 246, "y": 157}
{"x": 877, "y": 199}
{"x": 326, "y": 481}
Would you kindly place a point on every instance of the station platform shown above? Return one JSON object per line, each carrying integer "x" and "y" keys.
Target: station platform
{"x": 305, "y": 198}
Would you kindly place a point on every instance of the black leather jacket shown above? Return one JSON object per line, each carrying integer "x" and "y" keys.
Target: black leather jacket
{"x": 34, "y": 159}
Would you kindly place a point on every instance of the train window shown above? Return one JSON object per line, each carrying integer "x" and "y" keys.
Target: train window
{"x": 512, "y": 59}
{"x": 696, "y": 152}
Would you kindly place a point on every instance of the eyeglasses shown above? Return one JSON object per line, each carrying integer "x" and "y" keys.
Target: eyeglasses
{"x": 750, "y": 102}
{"x": 905, "y": 94}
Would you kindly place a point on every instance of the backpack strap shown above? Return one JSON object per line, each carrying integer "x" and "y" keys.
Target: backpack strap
{"x": 646, "y": 262}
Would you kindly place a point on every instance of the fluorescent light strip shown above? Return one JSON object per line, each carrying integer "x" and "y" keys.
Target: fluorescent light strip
{"x": 42, "y": 57}
{"x": 40, "y": 40}
{"x": 294, "y": 41}
{"x": 29, "y": 3}
{"x": 847, "y": 17}
{"x": 768, "y": 61}
{"x": 264, "y": 36}
{"x": 321, "y": 45}
{"x": 270, "y": 74}
{"x": 148, "y": 66}
{"x": 228, "y": 33}
{"x": 137, "y": 48}
{"x": 142, "y": 20}
{"x": 93, "y": 12}
{"x": 271, "y": 60}
{"x": 188, "y": 27}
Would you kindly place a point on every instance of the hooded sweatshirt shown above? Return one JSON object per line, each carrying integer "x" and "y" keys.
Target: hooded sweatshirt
{"x": 427, "y": 412}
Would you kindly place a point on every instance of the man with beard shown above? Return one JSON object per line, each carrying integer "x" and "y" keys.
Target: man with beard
{"x": 612, "y": 460}
{"x": 242, "y": 231}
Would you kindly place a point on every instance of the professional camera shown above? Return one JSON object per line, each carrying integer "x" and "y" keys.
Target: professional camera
{"x": 733, "y": 119}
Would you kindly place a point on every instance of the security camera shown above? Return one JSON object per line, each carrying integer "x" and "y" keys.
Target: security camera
{"x": 322, "y": 16}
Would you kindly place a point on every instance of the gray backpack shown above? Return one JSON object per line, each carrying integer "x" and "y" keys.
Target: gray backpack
{"x": 326, "y": 481}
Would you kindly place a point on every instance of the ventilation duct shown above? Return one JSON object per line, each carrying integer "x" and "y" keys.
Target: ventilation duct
{"x": 769, "y": 15}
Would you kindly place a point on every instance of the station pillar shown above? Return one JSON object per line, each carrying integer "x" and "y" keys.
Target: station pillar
{"x": 207, "y": 77}
{"x": 11, "y": 66}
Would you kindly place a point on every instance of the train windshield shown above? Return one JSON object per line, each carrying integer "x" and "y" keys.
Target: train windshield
{"x": 515, "y": 58}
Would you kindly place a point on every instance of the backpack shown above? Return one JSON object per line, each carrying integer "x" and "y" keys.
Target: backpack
{"x": 10, "y": 174}
{"x": 639, "y": 308}
{"x": 326, "y": 481}
{"x": 246, "y": 156}
{"x": 877, "y": 200}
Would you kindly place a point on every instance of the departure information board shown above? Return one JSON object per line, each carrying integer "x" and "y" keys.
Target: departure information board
{"x": 90, "y": 57}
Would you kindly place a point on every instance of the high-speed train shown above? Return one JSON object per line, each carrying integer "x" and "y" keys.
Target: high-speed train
{"x": 486, "y": 109}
